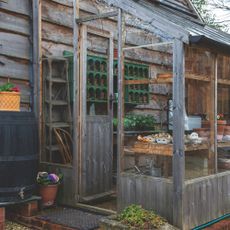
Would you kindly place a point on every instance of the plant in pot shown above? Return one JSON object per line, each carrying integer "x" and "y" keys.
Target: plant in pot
{"x": 48, "y": 187}
{"x": 9, "y": 97}
{"x": 221, "y": 123}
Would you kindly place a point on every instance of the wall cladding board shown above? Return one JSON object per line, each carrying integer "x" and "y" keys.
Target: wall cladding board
{"x": 57, "y": 33}
{"x": 17, "y": 6}
{"x": 12, "y": 68}
{"x": 14, "y": 45}
{"x": 57, "y": 13}
{"x": 14, "y": 23}
{"x": 54, "y": 49}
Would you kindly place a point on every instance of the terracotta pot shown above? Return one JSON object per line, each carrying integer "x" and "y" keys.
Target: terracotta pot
{"x": 220, "y": 129}
{"x": 203, "y": 132}
{"x": 48, "y": 194}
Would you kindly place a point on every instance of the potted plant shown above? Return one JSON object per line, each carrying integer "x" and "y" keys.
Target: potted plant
{"x": 221, "y": 123}
{"x": 136, "y": 218}
{"x": 9, "y": 97}
{"x": 48, "y": 186}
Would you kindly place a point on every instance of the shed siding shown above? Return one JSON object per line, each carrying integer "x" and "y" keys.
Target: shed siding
{"x": 16, "y": 46}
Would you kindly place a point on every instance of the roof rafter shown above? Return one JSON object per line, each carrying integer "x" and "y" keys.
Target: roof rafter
{"x": 157, "y": 21}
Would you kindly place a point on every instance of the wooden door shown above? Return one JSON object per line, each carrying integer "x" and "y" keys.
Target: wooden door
{"x": 96, "y": 114}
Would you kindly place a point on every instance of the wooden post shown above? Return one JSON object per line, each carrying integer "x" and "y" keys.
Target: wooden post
{"x": 36, "y": 68}
{"x": 178, "y": 132}
{"x": 215, "y": 112}
{"x": 111, "y": 93}
{"x": 82, "y": 102}
{"x": 120, "y": 115}
{"x": 76, "y": 97}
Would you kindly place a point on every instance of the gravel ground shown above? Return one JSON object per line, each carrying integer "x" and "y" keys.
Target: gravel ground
{"x": 14, "y": 226}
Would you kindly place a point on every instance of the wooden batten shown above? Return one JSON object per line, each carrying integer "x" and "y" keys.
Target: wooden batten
{"x": 120, "y": 115}
{"x": 178, "y": 136}
{"x": 76, "y": 100}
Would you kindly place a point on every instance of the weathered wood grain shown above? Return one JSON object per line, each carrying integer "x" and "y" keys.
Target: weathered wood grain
{"x": 14, "y": 23}
{"x": 17, "y": 6}
{"x": 97, "y": 158}
{"x": 60, "y": 14}
{"x": 150, "y": 192}
{"x": 14, "y": 68}
{"x": 178, "y": 136}
{"x": 56, "y": 33}
{"x": 14, "y": 45}
{"x": 206, "y": 199}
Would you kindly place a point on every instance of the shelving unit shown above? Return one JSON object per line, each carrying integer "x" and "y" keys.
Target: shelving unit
{"x": 56, "y": 105}
{"x": 97, "y": 80}
{"x": 136, "y": 81}
{"x": 136, "y": 75}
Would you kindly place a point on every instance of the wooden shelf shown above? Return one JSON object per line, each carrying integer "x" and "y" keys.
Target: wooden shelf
{"x": 223, "y": 81}
{"x": 223, "y": 144}
{"x": 57, "y": 102}
{"x": 161, "y": 149}
{"x": 167, "y": 77}
{"x": 197, "y": 77}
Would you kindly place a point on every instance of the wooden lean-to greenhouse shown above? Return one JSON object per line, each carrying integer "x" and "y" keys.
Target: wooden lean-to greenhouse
{"x": 137, "y": 93}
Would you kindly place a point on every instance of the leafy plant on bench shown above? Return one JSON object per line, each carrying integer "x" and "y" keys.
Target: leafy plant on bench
{"x": 137, "y": 122}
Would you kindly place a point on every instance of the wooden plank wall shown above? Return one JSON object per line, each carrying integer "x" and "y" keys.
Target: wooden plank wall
{"x": 98, "y": 158}
{"x": 57, "y": 35}
{"x": 16, "y": 46}
{"x": 206, "y": 199}
{"x": 150, "y": 192}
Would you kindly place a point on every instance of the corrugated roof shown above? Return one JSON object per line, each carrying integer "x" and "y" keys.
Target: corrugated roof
{"x": 180, "y": 23}
{"x": 194, "y": 26}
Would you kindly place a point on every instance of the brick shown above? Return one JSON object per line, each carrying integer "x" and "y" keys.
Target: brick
{"x": 2, "y": 226}
{"x": 28, "y": 209}
{"x": 37, "y": 223}
{"x": 2, "y": 215}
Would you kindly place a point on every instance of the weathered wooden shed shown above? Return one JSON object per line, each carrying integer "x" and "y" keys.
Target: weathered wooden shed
{"x": 151, "y": 54}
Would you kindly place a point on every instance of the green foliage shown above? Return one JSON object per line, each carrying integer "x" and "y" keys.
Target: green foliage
{"x": 137, "y": 122}
{"x": 138, "y": 218}
{"x": 207, "y": 16}
{"x": 6, "y": 87}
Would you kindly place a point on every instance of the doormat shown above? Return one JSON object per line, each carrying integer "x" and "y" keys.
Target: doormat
{"x": 73, "y": 218}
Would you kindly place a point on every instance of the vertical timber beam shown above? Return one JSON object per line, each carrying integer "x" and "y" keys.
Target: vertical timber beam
{"x": 76, "y": 128}
{"x": 215, "y": 112}
{"x": 111, "y": 93}
{"x": 212, "y": 111}
{"x": 82, "y": 106}
{"x": 120, "y": 115}
{"x": 36, "y": 68}
{"x": 178, "y": 133}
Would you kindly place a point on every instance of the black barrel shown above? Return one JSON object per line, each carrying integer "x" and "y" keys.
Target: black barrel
{"x": 18, "y": 155}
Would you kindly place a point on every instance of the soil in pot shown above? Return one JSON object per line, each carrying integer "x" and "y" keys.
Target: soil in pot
{"x": 48, "y": 194}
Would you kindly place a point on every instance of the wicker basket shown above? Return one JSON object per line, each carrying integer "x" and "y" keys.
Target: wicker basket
{"x": 9, "y": 101}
